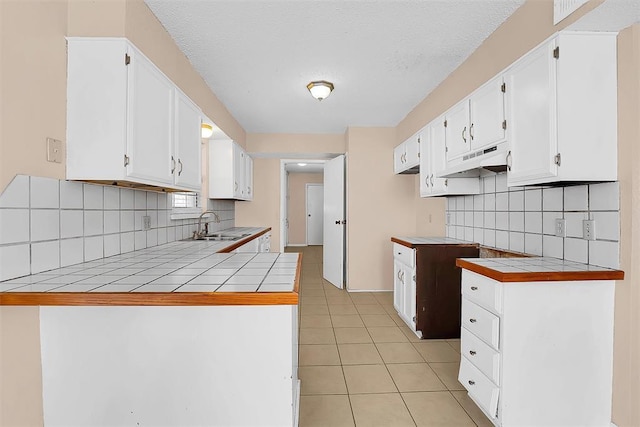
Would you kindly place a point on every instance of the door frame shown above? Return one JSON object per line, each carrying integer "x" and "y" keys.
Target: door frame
{"x": 306, "y": 202}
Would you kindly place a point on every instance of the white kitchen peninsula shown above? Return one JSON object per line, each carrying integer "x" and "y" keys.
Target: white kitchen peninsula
{"x": 176, "y": 335}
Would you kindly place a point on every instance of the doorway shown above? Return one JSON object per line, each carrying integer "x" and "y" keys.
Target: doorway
{"x": 315, "y": 210}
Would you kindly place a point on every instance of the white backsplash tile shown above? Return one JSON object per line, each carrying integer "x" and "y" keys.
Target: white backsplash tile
{"x": 533, "y": 244}
{"x": 516, "y": 241}
{"x": 502, "y": 239}
{"x": 604, "y": 254}
{"x": 14, "y": 226}
{"x": 140, "y": 240}
{"x": 154, "y": 218}
{"x": 468, "y": 218}
{"x": 576, "y": 198}
{"x": 71, "y": 223}
{"x": 162, "y": 236}
{"x": 478, "y": 202}
{"x": 111, "y": 245}
{"x": 468, "y": 234}
{"x": 127, "y": 221}
{"x": 140, "y": 200}
{"x": 553, "y": 246}
{"x": 127, "y": 242}
{"x": 490, "y": 237}
{"x": 516, "y": 221}
{"x": 516, "y": 201}
{"x": 93, "y": 223}
{"x": 489, "y": 184}
{"x": 45, "y": 193}
{"x": 45, "y": 256}
{"x": 604, "y": 197}
{"x": 576, "y": 250}
{"x": 502, "y": 220}
{"x": 533, "y": 222}
{"x": 502, "y": 202}
{"x": 574, "y": 223}
{"x": 71, "y": 195}
{"x": 152, "y": 238}
{"x": 111, "y": 222}
{"x": 549, "y": 222}
{"x": 163, "y": 218}
{"x": 111, "y": 198}
{"x": 501, "y": 183}
{"x": 93, "y": 248}
{"x": 478, "y": 219}
{"x": 490, "y": 202}
{"x": 607, "y": 225}
{"x": 533, "y": 200}
{"x": 45, "y": 224}
{"x": 126, "y": 199}
{"x": 16, "y": 195}
{"x": 152, "y": 200}
{"x": 15, "y": 261}
{"x": 478, "y": 235}
{"x": 93, "y": 196}
{"x": 162, "y": 201}
{"x": 553, "y": 199}
{"x": 489, "y": 219}
{"x": 71, "y": 251}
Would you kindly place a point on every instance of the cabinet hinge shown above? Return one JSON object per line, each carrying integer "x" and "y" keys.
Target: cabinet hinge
{"x": 503, "y": 88}
{"x": 446, "y": 149}
{"x": 414, "y": 319}
{"x": 557, "y": 159}
{"x": 504, "y": 124}
{"x": 445, "y": 123}
{"x": 126, "y": 160}
{"x": 127, "y": 59}
{"x": 419, "y": 140}
{"x": 556, "y": 52}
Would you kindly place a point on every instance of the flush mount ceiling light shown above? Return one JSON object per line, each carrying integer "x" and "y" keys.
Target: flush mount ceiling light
{"x": 302, "y": 164}
{"x": 207, "y": 130}
{"x": 320, "y": 89}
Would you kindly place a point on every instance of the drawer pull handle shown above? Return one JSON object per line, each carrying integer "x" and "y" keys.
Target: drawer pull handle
{"x": 471, "y": 352}
{"x": 471, "y": 382}
{"x": 472, "y": 320}
{"x": 474, "y": 288}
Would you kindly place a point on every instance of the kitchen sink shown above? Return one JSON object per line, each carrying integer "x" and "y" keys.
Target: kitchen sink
{"x": 220, "y": 237}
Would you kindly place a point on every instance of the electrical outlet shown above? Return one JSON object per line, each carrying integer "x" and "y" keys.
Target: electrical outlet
{"x": 589, "y": 229}
{"x": 561, "y": 227}
{"x": 54, "y": 150}
{"x": 146, "y": 222}
{"x": 448, "y": 219}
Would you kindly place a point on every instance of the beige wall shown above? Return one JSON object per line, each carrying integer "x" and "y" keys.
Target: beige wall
{"x": 379, "y": 205}
{"x": 295, "y": 143}
{"x": 297, "y": 206}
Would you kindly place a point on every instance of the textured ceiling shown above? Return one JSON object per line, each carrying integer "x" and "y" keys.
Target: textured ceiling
{"x": 384, "y": 57}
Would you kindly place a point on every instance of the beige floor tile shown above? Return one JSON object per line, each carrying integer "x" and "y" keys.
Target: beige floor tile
{"x": 346, "y": 321}
{"x": 318, "y": 354}
{"x": 368, "y": 379}
{"x": 321, "y": 380}
{"x": 448, "y": 374}
{"x": 397, "y": 320}
{"x": 455, "y": 343}
{"x": 317, "y": 336}
{"x": 398, "y": 352}
{"x": 359, "y": 354}
{"x": 338, "y": 299}
{"x": 387, "y": 334}
{"x": 343, "y": 309}
{"x": 436, "y": 408}
{"x": 312, "y": 286}
{"x": 390, "y": 309}
{"x": 325, "y": 411}
{"x": 304, "y": 292}
{"x": 437, "y": 351}
{"x": 362, "y": 299}
{"x": 472, "y": 409}
{"x": 313, "y": 300}
{"x": 415, "y": 377}
{"x": 352, "y": 335}
{"x": 411, "y": 336}
{"x": 380, "y": 410}
{"x": 371, "y": 309}
{"x": 371, "y": 320}
{"x": 314, "y": 309}
{"x": 310, "y": 279}
{"x": 384, "y": 298}
{"x": 314, "y": 321}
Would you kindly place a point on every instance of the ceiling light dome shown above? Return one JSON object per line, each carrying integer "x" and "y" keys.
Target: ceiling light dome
{"x": 320, "y": 89}
{"x": 207, "y": 130}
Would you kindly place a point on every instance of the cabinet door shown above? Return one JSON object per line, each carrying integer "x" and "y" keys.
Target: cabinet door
{"x": 398, "y": 286}
{"x": 399, "y": 155}
{"x": 425, "y": 162}
{"x": 248, "y": 176}
{"x": 149, "y": 122}
{"x": 457, "y": 130}
{"x": 412, "y": 151}
{"x": 238, "y": 172}
{"x": 438, "y": 156}
{"x": 486, "y": 109}
{"x": 187, "y": 143}
{"x": 531, "y": 84}
{"x": 410, "y": 296}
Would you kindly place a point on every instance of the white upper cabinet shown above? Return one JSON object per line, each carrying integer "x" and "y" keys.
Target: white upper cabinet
{"x": 433, "y": 161}
{"x": 126, "y": 121}
{"x": 457, "y": 130}
{"x": 230, "y": 171}
{"x": 563, "y": 111}
{"x": 406, "y": 156}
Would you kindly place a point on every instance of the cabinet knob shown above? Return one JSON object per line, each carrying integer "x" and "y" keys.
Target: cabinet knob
{"x": 471, "y": 352}
{"x": 471, "y": 382}
{"x": 474, "y": 288}
{"x": 472, "y": 320}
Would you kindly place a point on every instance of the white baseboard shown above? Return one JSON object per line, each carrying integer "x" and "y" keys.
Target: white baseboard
{"x": 365, "y": 290}
{"x": 297, "y": 244}
{"x": 613, "y": 425}
{"x": 296, "y": 405}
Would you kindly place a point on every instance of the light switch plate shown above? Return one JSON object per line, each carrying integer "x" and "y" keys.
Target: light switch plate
{"x": 588, "y": 229}
{"x": 146, "y": 222}
{"x": 54, "y": 150}
{"x": 561, "y": 227}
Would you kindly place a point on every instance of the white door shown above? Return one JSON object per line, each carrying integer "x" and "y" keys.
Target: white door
{"x": 315, "y": 210}
{"x": 334, "y": 222}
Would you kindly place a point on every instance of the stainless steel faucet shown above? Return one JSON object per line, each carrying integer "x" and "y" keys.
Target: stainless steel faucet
{"x": 199, "y": 233}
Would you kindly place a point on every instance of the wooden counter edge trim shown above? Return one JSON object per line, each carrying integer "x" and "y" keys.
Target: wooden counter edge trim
{"x": 415, "y": 245}
{"x": 241, "y": 242}
{"x": 552, "y": 276}
{"x": 149, "y": 298}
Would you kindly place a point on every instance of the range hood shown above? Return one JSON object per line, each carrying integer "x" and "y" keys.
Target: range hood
{"x": 492, "y": 158}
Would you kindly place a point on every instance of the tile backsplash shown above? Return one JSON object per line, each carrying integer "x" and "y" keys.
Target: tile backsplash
{"x": 48, "y": 223}
{"x": 522, "y": 219}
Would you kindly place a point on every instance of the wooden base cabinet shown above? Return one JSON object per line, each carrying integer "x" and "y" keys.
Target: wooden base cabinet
{"x": 427, "y": 287}
{"x": 538, "y": 353}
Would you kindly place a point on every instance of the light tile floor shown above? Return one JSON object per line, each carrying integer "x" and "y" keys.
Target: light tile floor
{"x": 360, "y": 365}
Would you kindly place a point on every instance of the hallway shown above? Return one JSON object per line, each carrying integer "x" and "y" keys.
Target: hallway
{"x": 361, "y": 365}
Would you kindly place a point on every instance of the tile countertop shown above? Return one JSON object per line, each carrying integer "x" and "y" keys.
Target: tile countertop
{"x": 184, "y": 272}
{"x": 411, "y": 242}
{"x": 537, "y": 269}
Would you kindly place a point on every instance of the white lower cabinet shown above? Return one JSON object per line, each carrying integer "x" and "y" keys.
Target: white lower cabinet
{"x": 259, "y": 244}
{"x": 538, "y": 353}
{"x": 404, "y": 283}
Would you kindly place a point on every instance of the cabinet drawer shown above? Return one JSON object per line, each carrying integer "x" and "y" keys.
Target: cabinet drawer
{"x": 404, "y": 254}
{"x": 481, "y": 355}
{"x": 482, "y": 290}
{"x": 483, "y": 324}
{"x": 480, "y": 388}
